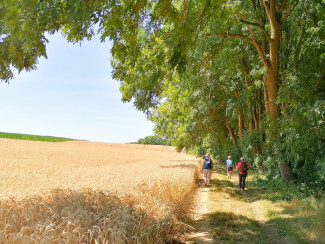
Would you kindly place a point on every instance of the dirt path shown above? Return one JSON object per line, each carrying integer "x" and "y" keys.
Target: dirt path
{"x": 226, "y": 215}
{"x": 202, "y": 228}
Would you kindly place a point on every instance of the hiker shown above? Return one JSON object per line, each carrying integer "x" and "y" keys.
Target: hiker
{"x": 242, "y": 173}
{"x": 207, "y": 165}
{"x": 229, "y": 167}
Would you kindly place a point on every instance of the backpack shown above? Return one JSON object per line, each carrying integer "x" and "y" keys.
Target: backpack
{"x": 207, "y": 163}
{"x": 243, "y": 167}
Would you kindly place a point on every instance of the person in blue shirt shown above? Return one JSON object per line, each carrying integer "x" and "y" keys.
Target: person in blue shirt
{"x": 207, "y": 166}
{"x": 229, "y": 167}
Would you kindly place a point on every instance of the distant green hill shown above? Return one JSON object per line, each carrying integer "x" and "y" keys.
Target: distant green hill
{"x": 33, "y": 137}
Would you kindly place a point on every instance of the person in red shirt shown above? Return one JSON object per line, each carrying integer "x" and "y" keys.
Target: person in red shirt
{"x": 242, "y": 173}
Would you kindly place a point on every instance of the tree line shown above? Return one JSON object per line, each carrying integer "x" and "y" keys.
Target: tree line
{"x": 153, "y": 140}
{"x": 239, "y": 77}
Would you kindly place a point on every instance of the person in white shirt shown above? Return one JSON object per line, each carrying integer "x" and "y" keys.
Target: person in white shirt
{"x": 229, "y": 167}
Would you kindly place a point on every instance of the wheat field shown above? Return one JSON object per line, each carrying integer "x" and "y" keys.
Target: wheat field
{"x": 87, "y": 192}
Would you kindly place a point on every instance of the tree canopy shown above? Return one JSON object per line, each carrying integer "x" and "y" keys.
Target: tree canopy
{"x": 238, "y": 77}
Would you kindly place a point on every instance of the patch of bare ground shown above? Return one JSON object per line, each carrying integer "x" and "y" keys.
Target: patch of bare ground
{"x": 201, "y": 220}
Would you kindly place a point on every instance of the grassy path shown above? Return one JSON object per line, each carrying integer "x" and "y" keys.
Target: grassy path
{"x": 226, "y": 215}
{"x": 201, "y": 218}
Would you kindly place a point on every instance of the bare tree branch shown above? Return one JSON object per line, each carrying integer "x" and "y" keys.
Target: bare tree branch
{"x": 272, "y": 13}
{"x": 247, "y": 39}
{"x": 218, "y": 120}
{"x": 284, "y": 4}
{"x": 255, "y": 42}
{"x": 248, "y": 26}
{"x": 272, "y": 4}
{"x": 263, "y": 3}
{"x": 287, "y": 14}
{"x": 266, "y": 7}
{"x": 259, "y": 26}
{"x": 261, "y": 53}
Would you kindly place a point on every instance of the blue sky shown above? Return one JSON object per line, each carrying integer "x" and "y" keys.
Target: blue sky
{"x": 71, "y": 94}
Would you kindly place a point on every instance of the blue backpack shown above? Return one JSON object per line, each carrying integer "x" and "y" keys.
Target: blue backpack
{"x": 207, "y": 163}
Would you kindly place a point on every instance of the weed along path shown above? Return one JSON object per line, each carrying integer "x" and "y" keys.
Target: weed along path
{"x": 225, "y": 215}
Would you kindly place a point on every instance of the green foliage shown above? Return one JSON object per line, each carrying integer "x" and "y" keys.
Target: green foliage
{"x": 199, "y": 151}
{"x": 280, "y": 191}
{"x": 249, "y": 145}
{"x": 33, "y": 137}
{"x": 153, "y": 140}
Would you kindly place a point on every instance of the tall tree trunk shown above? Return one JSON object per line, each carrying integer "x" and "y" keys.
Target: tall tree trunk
{"x": 231, "y": 131}
{"x": 232, "y": 134}
{"x": 250, "y": 126}
{"x": 255, "y": 119}
{"x": 271, "y": 76}
{"x": 240, "y": 126}
{"x": 271, "y": 84}
{"x": 259, "y": 119}
{"x": 286, "y": 171}
{"x": 259, "y": 108}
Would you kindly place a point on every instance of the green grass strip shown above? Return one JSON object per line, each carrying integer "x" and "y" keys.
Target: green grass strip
{"x": 33, "y": 137}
